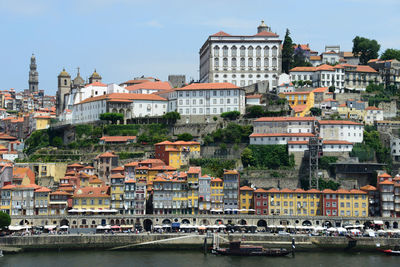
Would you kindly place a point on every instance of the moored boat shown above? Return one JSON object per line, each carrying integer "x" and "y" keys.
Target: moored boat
{"x": 237, "y": 249}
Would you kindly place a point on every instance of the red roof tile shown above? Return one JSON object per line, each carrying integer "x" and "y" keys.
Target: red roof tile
{"x": 208, "y": 86}
{"x": 221, "y": 33}
{"x": 337, "y": 122}
{"x": 281, "y": 119}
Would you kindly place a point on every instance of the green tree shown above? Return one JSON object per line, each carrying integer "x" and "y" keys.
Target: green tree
{"x": 315, "y": 111}
{"x": 232, "y": 115}
{"x": 254, "y": 112}
{"x": 247, "y": 157}
{"x": 391, "y": 53}
{"x": 185, "y": 137}
{"x": 172, "y": 116}
{"x": 5, "y": 220}
{"x": 287, "y": 52}
{"x": 299, "y": 58}
{"x": 57, "y": 141}
{"x": 112, "y": 117}
{"x": 366, "y": 49}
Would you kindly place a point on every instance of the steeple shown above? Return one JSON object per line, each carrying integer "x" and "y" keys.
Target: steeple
{"x": 33, "y": 75}
{"x": 78, "y": 81}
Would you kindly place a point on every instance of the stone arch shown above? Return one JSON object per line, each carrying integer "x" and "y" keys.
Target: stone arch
{"x": 114, "y": 110}
{"x": 395, "y": 225}
{"x": 64, "y": 222}
{"x": 219, "y": 221}
{"x": 128, "y": 114}
{"x": 166, "y": 221}
{"x": 205, "y": 222}
{"x": 23, "y": 222}
{"x": 387, "y": 224}
{"x": 185, "y": 221}
{"x": 122, "y": 221}
{"x": 117, "y": 222}
{"x": 328, "y": 224}
{"x": 93, "y": 222}
{"x": 306, "y": 223}
{"x": 147, "y": 224}
{"x": 74, "y": 222}
{"x": 262, "y": 223}
{"x": 284, "y": 222}
{"x": 84, "y": 221}
{"x": 112, "y": 222}
{"x": 242, "y": 222}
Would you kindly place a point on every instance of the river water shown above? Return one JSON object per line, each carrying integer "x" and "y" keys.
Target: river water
{"x": 191, "y": 258}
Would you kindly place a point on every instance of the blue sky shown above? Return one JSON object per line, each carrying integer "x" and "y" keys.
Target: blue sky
{"x": 123, "y": 39}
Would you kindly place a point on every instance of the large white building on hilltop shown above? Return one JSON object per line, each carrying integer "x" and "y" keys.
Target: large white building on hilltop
{"x": 241, "y": 59}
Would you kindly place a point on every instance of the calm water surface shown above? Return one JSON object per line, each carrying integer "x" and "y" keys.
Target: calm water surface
{"x": 190, "y": 258}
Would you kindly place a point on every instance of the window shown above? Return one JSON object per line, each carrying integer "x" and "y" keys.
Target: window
{"x": 234, "y": 62}
{"x": 242, "y": 62}
{"x": 233, "y": 51}
{"x": 242, "y": 51}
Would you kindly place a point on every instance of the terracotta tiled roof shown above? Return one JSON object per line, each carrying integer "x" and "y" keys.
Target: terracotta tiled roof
{"x": 99, "y": 84}
{"x": 303, "y": 69}
{"x": 231, "y": 172}
{"x": 363, "y": 68}
{"x": 107, "y": 155}
{"x": 368, "y": 188}
{"x": 75, "y": 165}
{"x": 150, "y": 85}
{"x": 60, "y": 193}
{"x": 315, "y": 58}
{"x": 132, "y": 164}
{"x": 313, "y": 191}
{"x": 216, "y": 180}
{"x": 325, "y": 67}
{"x": 124, "y": 96}
{"x": 194, "y": 170}
{"x": 299, "y": 108}
{"x": 336, "y": 142}
{"x": 208, "y": 86}
{"x": 260, "y": 190}
{"x": 131, "y": 181}
{"x": 385, "y": 175}
{"x": 90, "y": 192}
{"x": 246, "y": 188}
{"x": 42, "y": 190}
{"x": 221, "y": 33}
{"x": 372, "y": 108}
{"x": 254, "y": 96}
{"x": 281, "y": 119}
{"x": 282, "y": 135}
{"x": 386, "y": 182}
{"x": 338, "y": 122}
{"x": 25, "y": 171}
{"x": 356, "y": 191}
{"x": 119, "y": 168}
{"x": 272, "y": 190}
{"x": 265, "y": 33}
{"x": 321, "y": 90}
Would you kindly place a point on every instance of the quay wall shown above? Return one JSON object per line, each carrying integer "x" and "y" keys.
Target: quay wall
{"x": 187, "y": 241}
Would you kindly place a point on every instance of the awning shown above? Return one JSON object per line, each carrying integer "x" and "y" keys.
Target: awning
{"x": 64, "y": 227}
{"x": 127, "y": 226}
{"x": 14, "y": 228}
{"x": 50, "y": 226}
{"x": 379, "y": 222}
{"x": 115, "y": 227}
{"x": 176, "y": 225}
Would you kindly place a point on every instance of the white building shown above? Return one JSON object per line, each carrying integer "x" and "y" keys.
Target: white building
{"x": 130, "y": 105}
{"x": 373, "y": 114}
{"x": 395, "y": 148}
{"x": 278, "y": 138}
{"x": 241, "y": 59}
{"x": 210, "y": 99}
{"x": 284, "y": 125}
{"x": 340, "y": 130}
{"x": 254, "y": 100}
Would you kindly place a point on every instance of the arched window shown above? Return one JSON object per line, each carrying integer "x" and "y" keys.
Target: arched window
{"x": 274, "y": 64}
{"x": 234, "y": 51}
{"x": 234, "y": 62}
{"x": 225, "y": 51}
{"x": 258, "y": 62}
{"x": 274, "y": 51}
{"x": 266, "y": 51}
{"x": 258, "y": 51}
{"x": 216, "y": 62}
{"x": 65, "y": 81}
{"x": 216, "y": 51}
{"x": 242, "y": 51}
{"x": 225, "y": 62}
{"x": 250, "y": 51}
{"x": 266, "y": 62}
{"x": 242, "y": 62}
{"x": 250, "y": 62}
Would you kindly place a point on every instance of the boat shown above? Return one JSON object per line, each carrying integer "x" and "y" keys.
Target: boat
{"x": 237, "y": 249}
{"x": 393, "y": 252}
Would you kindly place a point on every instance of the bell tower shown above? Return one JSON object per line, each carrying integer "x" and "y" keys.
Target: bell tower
{"x": 64, "y": 87}
{"x": 33, "y": 76}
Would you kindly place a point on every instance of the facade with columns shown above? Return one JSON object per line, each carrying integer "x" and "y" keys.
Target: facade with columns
{"x": 241, "y": 59}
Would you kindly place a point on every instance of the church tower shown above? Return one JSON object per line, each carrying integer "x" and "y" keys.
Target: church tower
{"x": 95, "y": 77}
{"x": 64, "y": 87}
{"x": 33, "y": 76}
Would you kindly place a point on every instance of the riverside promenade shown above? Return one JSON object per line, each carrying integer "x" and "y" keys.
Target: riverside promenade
{"x": 188, "y": 241}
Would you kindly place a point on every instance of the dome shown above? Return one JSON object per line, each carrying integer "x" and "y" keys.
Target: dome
{"x": 78, "y": 81}
{"x": 95, "y": 74}
{"x": 64, "y": 74}
{"x": 263, "y": 27}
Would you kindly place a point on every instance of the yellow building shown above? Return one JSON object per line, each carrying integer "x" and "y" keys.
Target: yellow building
{"x": 42, "y": 198}
{"x": 217, "y": 195}
{"x": 177, "y": 154}
{"x": 294, "y": 202}
{"x": 179, "y": 197}
{"x": 42, "y": 122}
{"x": 117, "y": 192}
{"x": 352, "y": 113}
{"x": 6, "y": 198}
{"x": 352, "y": 203}
{"x": 302, "y": 102}
{"x": 193, "y": 175}
{"x": 92, "y": 198}
{"x": 246, "y": 199}
{"x": 49, "y": 169}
